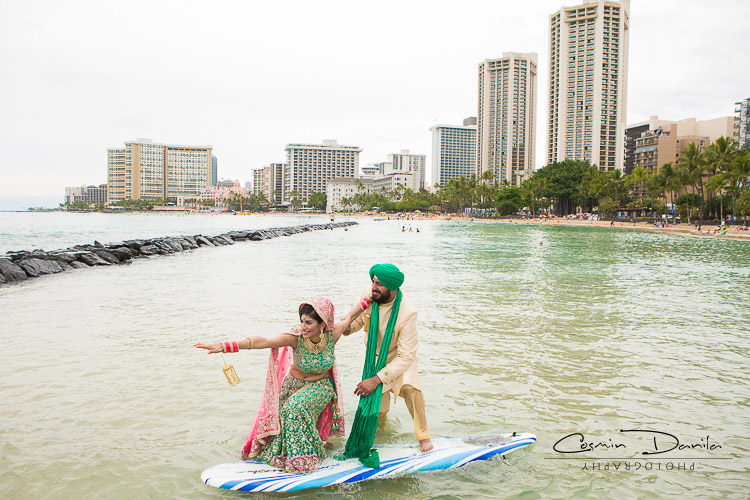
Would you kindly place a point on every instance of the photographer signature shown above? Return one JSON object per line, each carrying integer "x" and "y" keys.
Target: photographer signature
{"x": 658, "y": 442}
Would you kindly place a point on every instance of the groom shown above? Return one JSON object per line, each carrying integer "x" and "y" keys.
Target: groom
{"x": 397, "y": 319}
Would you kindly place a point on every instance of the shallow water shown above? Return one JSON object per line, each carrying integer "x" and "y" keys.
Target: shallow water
{"x": 593, "y": 331}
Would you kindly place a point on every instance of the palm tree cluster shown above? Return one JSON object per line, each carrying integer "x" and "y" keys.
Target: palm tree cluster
{"x": 699, "y": 185}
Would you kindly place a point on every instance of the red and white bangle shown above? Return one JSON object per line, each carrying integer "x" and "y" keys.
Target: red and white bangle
{"x": 230, "y": 347}
{"x": 365, "y": 303}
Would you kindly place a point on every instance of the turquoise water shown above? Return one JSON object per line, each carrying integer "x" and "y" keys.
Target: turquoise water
{"x": 593, "y": 331}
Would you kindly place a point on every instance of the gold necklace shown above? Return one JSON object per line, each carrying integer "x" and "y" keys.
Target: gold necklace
{"x": 316, "y": 348}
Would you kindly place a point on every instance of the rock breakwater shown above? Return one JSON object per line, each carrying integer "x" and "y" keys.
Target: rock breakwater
{"x": 21, "y": 265}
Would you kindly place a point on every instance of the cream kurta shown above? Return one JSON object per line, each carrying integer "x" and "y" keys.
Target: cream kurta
{"x": 402, "y": 365}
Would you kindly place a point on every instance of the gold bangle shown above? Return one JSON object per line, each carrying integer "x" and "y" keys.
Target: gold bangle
{"x": 223, "y": 347}
{"x": 251, "y": 342}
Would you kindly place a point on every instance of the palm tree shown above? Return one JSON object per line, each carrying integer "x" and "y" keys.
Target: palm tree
{"x": 692, "y": 162}
{"x": 639, "y": 176}
{"x": 616, "y": 180}
{"x": 719, "y": 156}
{"x": 717, "y": 184}
{"x": 672, "y": 182}
{"x": 295, "y": 202}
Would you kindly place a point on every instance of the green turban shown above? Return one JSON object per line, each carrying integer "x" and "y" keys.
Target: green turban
{"x": 388, "y": 275}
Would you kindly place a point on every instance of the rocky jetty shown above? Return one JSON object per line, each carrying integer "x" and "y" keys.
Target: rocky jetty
{"x": 21, "y": 265}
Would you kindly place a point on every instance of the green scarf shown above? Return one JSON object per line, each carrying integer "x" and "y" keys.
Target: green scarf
{"x": 365, "y": 424}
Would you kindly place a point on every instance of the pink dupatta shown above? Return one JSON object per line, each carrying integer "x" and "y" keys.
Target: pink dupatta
{"x": 267, "y": 423}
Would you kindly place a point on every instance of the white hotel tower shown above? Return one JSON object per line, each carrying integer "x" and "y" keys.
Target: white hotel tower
{"x": 506, "y": 119}
{"x": 588, "y": 83}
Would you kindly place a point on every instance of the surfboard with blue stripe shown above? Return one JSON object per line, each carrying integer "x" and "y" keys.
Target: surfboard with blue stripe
{"x": 395, "y": 460}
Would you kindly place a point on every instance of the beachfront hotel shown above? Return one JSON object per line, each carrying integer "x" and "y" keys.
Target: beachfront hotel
{"x": 588, "y": 72}
{"x": 654, "y": 142}
{"x": 405, "y": 163}
{"x": 454, "y": 151}
{"x": 87, "y": 194}
{"x": 347, "y": 187}
{"x": 144, "y": 169}
{"x": 269, "y": 181}
{"x": 506, "y": 119}
{"x": 309, "y": 167}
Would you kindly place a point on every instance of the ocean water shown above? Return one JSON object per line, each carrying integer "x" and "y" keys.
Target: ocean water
{"x": 560, "y": 331}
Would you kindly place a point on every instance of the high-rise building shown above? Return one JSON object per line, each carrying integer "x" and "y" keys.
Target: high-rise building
{"x": 588, "y": 83}
{"x": 269, "y": 181}
{"x": 371, "y": 171}
{"x": 742, "y": 123}
{"x": 144, "y": 169}
{"x": 405, "y": 162}
{"x": 454, "y": 151}
{"x": 310, "y": 166}
{"x": 506, "y": 130}
{"x": 214, "y": 170}
{"x": 88, "y": 194}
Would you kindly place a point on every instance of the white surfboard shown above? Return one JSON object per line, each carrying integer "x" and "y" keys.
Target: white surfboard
{"x": 395, "y": 460}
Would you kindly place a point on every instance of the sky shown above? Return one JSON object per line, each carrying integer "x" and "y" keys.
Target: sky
{"x": 248, "y": 77}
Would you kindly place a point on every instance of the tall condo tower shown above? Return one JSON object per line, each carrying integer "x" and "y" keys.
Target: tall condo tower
{"x": 506, "y": 117}
{"x": 454, "y": 151}
{"x": 145, "y": 169}
{"x": 588, "y": 68}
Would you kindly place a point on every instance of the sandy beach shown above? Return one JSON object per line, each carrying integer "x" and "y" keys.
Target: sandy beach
{"x": 734, "y": 231}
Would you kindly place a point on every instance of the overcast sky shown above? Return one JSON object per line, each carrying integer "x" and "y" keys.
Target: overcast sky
{"x": 249, "y": 77}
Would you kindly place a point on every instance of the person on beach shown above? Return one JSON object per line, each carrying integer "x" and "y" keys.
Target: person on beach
{"x": 390, "y": 323}
{"x": 302, "y": 403}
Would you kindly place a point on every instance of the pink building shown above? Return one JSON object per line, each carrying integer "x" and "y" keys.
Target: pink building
{"x": 217, "y": 194}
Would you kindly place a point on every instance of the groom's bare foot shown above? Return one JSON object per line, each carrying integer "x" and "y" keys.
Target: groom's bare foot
{"x": 425, "y": 445}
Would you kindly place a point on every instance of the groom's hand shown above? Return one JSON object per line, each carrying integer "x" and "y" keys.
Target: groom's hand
{"x": 366, "y": 387}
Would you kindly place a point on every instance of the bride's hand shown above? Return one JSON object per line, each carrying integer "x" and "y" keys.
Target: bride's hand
{"x": 212, "y": 348}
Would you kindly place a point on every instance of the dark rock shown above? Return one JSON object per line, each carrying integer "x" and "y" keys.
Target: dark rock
{"x": 255, "y": 236}
{"x": 84, "y": 248}
{"x": 149, "y": 250}
{"x": 173, "y": 244}
{"x": 108, "y": 256}
{"x": 186, "y": 244}
{"x": 37, "y": 267}
{"x": 163, "y": 247}
{"x": 2, "y": 279}
{"x": 203, "y": 241}
{"x": 98, "y": 245}
{"x": 11, "y": 272}
{"x": 238, "y": 235}
{"x": 124, "y": 254}
{"x": 224, "y": 240}
{"x": 65, "y": 266}
{"x": 191, "y": 240}
{"x": 78, "y": 265}
{"x": 16, "y": 256}
{"x": 136, "y": 244}
{"x": 92, "y": 259}
{"x": 66, "y": 257}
